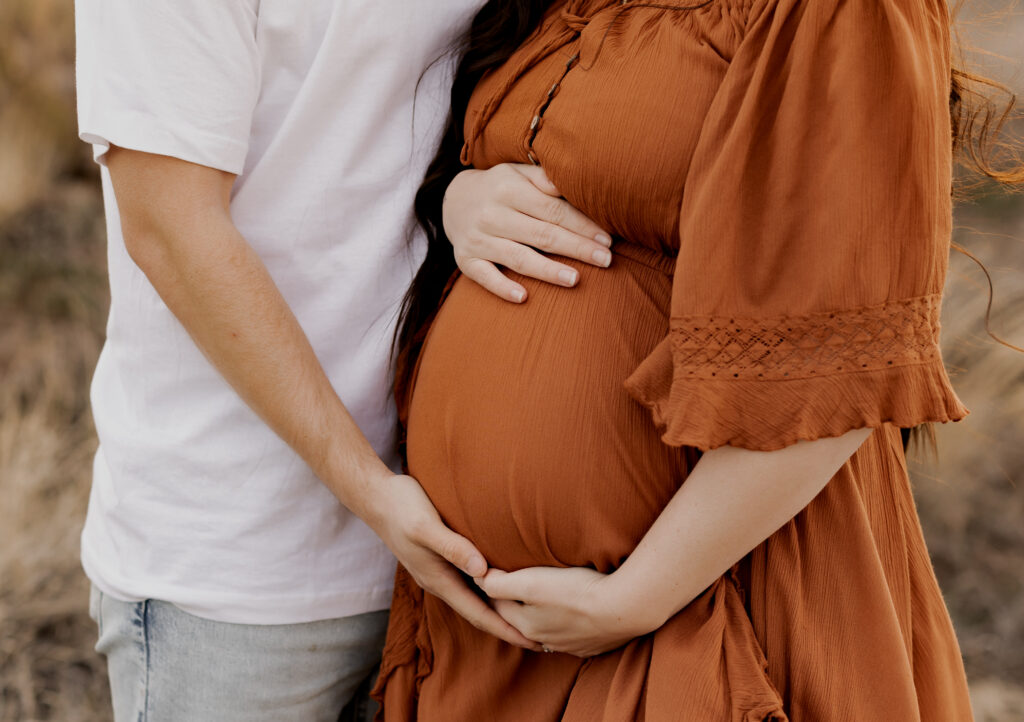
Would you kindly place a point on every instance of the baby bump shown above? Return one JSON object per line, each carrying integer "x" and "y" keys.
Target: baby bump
{"x": 520, "y": 429}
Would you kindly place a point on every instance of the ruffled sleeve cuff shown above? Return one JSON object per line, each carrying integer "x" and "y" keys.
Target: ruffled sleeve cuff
{"x": 768, "y": 383}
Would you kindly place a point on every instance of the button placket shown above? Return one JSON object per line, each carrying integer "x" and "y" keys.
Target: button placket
{"x": 538, "y": 119}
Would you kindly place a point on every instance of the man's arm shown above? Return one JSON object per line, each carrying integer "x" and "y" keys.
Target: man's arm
{"x": 177, "y": 227}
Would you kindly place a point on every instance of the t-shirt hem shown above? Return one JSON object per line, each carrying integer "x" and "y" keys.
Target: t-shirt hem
{"x": 253, "y": 608}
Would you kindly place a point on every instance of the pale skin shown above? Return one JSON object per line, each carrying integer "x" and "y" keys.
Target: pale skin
{"x": 509, "y": 213}
{"x": 731, "y": 502}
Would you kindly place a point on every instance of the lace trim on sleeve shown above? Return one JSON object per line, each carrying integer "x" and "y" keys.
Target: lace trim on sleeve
{"x": 899, "y": 333}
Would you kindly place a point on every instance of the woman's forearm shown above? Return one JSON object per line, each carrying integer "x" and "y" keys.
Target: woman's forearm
{"x": 732, "y": 501}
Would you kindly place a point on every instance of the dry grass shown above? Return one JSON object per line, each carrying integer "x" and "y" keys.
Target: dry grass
{"x": 52, "y": 308}
{"x": 37, "y": 120}
{"x": 971, "y": 498}
{"x": 52, "y": 298}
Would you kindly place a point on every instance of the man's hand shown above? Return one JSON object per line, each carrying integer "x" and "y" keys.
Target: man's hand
{"x": 178, "y": 229}
{"x": 433, "y": 554}
{"x": 500, "y": 215}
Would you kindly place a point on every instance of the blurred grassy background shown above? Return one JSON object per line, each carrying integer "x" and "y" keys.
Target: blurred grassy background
{"x": 53, "y": 299}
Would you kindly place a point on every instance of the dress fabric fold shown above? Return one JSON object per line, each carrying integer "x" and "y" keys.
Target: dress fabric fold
{"x": 777, "y": 175}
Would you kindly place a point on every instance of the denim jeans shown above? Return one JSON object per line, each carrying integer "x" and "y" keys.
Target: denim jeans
{"x": 167, "y": 665}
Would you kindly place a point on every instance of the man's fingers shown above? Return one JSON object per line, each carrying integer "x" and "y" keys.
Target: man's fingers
{"x": 456, "y": 549}
{"x": 487, "y": 275}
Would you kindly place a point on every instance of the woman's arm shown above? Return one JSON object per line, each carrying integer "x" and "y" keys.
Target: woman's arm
{"x": 500, "y": 215}
{"x": 732, "y": 501}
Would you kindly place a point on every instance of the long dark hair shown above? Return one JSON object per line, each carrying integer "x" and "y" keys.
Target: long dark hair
{"x": 497, "y": 31}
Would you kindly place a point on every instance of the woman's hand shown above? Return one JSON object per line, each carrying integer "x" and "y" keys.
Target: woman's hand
{"x": 500, "y": 215}
{"x": 732, "y": 500}
{"x": 433, "y": 554}
{"x": 577, "y": 610}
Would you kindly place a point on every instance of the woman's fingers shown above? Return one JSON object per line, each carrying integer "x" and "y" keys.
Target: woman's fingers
{"x": 550, "y": 206}
{"x": 538, "y": 198}
{"x": 580, "y": 238}
{"x": 512, "y": 586}
{"x": 513, "y": 614}
{"x": 517, "y": 257}
{"x": 474, "y": 610}
{"x": 537, "y": 176}
{"x": 528, "y": 262}
{"x": 487, "y": 275}
{"x": 504, "y": 216}
{"x": 550, "y": 238}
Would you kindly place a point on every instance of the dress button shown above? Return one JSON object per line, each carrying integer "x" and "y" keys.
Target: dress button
{"x": 535, "y": 122}
{"x": 533, "y": 158}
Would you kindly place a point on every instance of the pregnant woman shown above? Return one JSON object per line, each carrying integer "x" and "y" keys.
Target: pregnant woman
{"x": 699, "y": 446}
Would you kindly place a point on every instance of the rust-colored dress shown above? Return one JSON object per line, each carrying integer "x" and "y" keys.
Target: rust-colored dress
{"x": 777, "y": 173}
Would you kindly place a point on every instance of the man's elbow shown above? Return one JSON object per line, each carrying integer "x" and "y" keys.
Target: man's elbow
{"x": 154, "y": 244}
{"x": 164, "y": 205}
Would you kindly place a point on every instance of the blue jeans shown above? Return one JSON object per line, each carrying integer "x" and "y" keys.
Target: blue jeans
{"x": 167, "y": 665}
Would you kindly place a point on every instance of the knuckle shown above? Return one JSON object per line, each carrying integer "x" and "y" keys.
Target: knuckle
{"x": 505, "y": 186}
{"x": 505, "y": 171}
{"x": 419, "y": 529}
{"x": 487, "y": 217}
{"x": 471, "y": 246}
{"x": 556, "y": 211}
{"x": 472, "y": 266}
{"x": 518, "y": 256}
{"x": 542, "y": 237}
{"x": 449, "y": 549}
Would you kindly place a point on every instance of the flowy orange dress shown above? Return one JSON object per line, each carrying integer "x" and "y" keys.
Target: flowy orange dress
{"x": 777, "y": 176}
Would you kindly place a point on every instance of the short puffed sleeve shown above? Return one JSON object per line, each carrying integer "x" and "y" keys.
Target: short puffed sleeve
{"x": 814, "y": 233}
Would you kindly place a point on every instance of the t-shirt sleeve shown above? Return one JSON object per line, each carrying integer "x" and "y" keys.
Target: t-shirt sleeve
{"x": 814, "y": 234}
{"x": 171, "y": 77}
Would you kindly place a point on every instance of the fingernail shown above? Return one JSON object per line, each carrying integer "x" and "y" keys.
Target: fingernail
{"x": 604, "y": 239}
{"x": 568, "y": 277}
{"x": 518, "y": 295}
{"x": 603, "y": 257}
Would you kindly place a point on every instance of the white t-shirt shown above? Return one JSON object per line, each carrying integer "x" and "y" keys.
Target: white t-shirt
{"x": 320, "y": 107}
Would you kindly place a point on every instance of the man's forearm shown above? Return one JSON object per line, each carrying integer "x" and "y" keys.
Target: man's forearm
{"x": 220, "y": 290}
{"x": 732, "y": 501}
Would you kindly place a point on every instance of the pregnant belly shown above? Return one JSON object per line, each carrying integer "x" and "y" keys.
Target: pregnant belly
{"x": 520, "y": 430}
